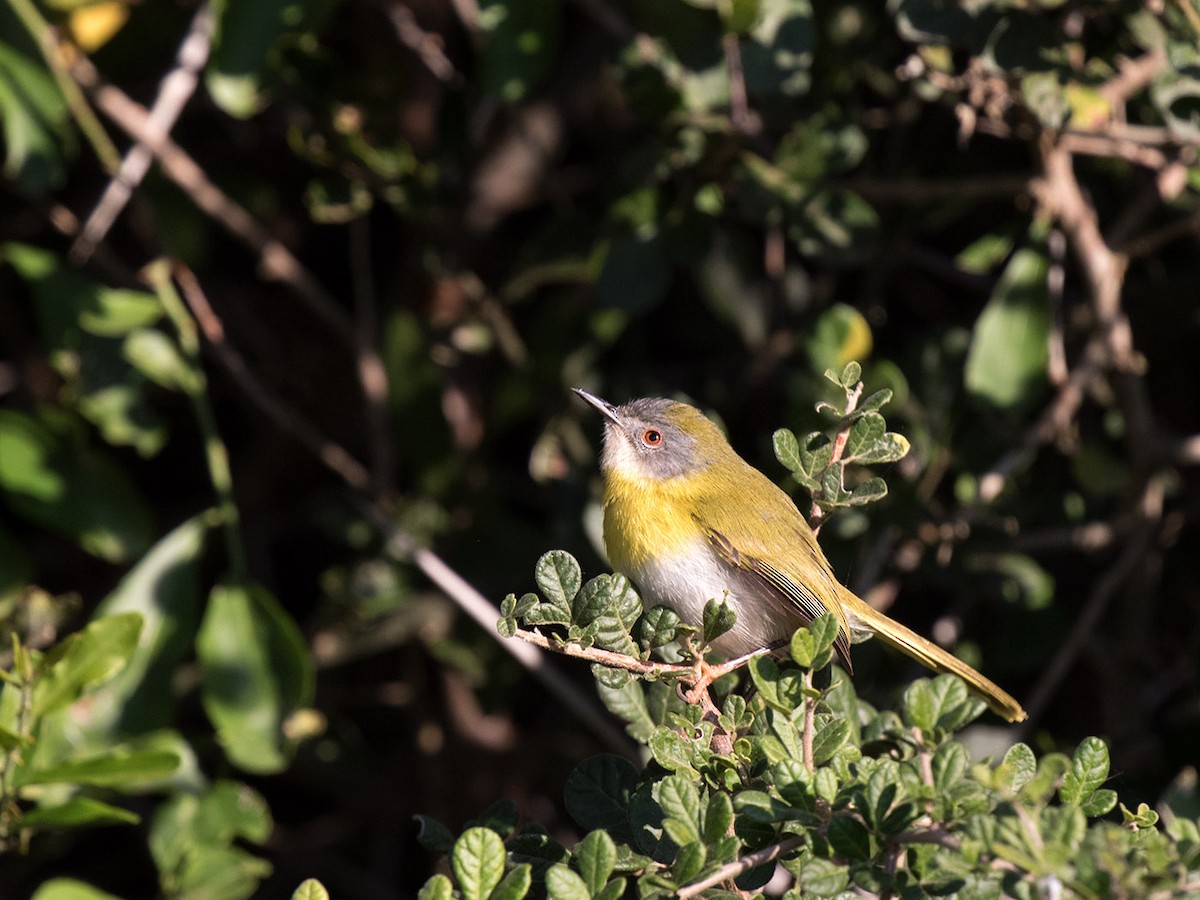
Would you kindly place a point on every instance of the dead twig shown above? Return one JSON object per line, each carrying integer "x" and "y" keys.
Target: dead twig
{"x": 276, "y": 261}
{"x": 428, "y": 47}
{"x": 174, "y": 92}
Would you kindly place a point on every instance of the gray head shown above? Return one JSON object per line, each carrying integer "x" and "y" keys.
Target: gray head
{"x": 656, "y": 438}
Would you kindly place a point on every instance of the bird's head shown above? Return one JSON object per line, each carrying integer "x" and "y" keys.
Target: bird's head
{"x": 657, "y": 439}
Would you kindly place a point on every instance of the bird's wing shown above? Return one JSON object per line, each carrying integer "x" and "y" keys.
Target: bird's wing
{"x": 800, "y": 596}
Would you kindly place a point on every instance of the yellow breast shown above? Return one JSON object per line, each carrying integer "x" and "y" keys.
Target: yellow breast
{"x": 645, "y": 520}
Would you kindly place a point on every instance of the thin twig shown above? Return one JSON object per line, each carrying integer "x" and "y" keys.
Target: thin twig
{"x": 427, "y": 47}
{"x": 744, "y": 119}
{"x": 479, "y": 608}
{"x": 276, "y": 261}
{"x": 609, "y": 658}
{"x": 372, "y": 375}
{"x": 174, "y": 92}
{"x": 196, "y": 387}
{"x": 738, "y": 866}
{"x": 333, "y": 455}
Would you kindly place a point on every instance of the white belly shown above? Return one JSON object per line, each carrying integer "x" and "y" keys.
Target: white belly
{"x": 691, "y": 578}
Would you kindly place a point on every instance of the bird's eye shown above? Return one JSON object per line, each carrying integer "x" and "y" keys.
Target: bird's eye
{"x": 652, "y": 437}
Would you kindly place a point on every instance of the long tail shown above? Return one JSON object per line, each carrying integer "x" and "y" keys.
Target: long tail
{"x": 929, "y": 654}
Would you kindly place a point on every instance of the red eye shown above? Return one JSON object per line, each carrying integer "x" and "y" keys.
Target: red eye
{"x": 651, "y": 437}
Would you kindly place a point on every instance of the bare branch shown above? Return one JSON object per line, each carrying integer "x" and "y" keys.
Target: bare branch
{"x": 276, "y": 261}
{"x": 174, "y": 92}
{"x": 427, "y": 47}
{"x": 738, "y": 866}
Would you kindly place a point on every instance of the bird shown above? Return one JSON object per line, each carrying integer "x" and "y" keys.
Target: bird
{"x": 687, "y": 520}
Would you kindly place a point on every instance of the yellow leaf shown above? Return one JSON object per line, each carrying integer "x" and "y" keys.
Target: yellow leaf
{"x": 1089, "y": 108}
{"x": 93, "y": 26}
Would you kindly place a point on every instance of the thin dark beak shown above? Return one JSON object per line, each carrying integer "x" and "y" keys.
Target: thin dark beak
{"x": 606, "y": 409}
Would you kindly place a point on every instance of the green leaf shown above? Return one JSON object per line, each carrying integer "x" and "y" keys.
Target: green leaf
{"x": 829, "y": 734}
{"x": 868, "y": 492}
{"x": 1089, "y": 770}
{"x": 802, "y": 647}
{"x": 598, "y": 793}
{"x": 70, "y": 889}
{"x": 851, "y": 375}
{"x": 1017, "y": 768}
{"x": 689, "y": 861}
{"x": 256, "y": 671}
{"x": 823, "y": 877}
{"x": 595, "y": 857}
{"x": 850, "y": 838}
{"x": 82, "y": 324}
{"x": 658, "y": 627}
{"x": 119, "y": 768}
{"x": 718, "y": 618}
{"x": 478, "y": 862}
{"x": 439, "y": 887}
{"x": 840, "y": 336}
{"x": 874, "y": 402}
{"x": 563, "y": 884}
{"x": 558, "y": 577}
{"x": 615, "y": 889}
{"x": 164, "y": 589}
{"x": 78, "y": 812}
{"x": 680, "y": 800}
{"x": 37, "y": 127}
{"x": 310, "y": 889}
{"x": 825, "y": 629}
{"x": 787, "y": 449}
{"x": 433, "y": 835}
{"x": 981, "y": 256}
{"x": 1145, "y": 817}
{"x": 1006, "y": 361}
{"x": 241, "y": 67}
{"x": 537, "y": 850}
{"x": 85, "y": 660}
{"x": 783, "y": 689}
{"x": 948, "y": 765}
{"x": 778, "y": 55}
{"x": 58, "y": 482}
{"x": 515, "y": 884}
{"x": 192, "y": 840}
{"x": 864, "y": 433}
{"x": 941, "y": 703}
{"x": 718, "y": 818}
{"x": 1100, "y": 802}
{"x": 629, "y": 702}
{"x": 158, "y": 357}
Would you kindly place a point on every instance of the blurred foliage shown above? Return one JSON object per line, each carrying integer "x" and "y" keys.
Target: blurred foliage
{"x": 209, "y": 647}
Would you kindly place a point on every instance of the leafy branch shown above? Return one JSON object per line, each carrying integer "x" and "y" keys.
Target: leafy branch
{"x": 810, "y": 778}
{"x": 819, "y": 461}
